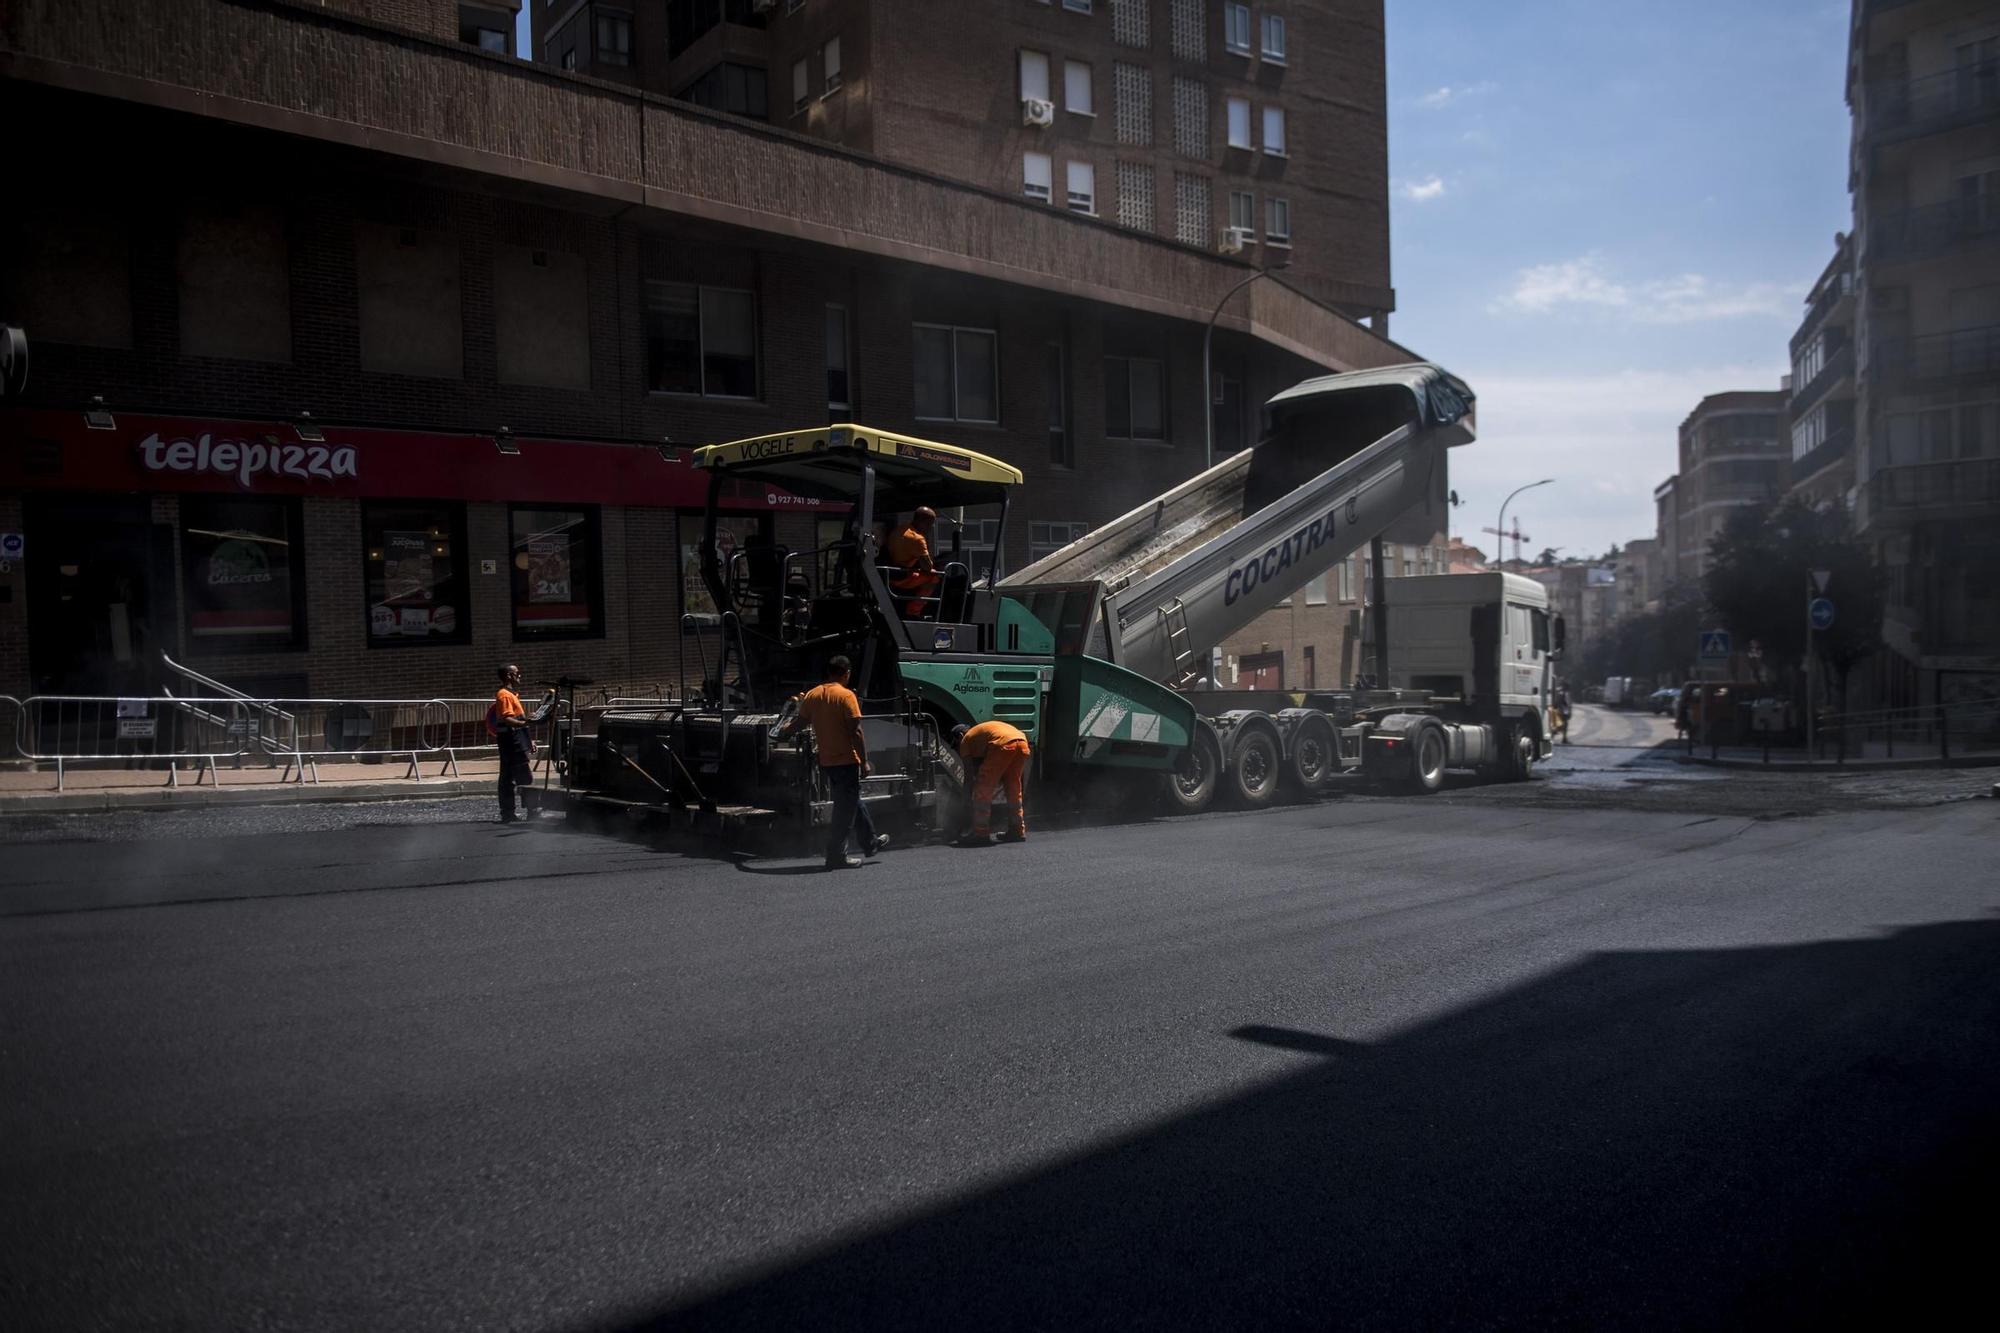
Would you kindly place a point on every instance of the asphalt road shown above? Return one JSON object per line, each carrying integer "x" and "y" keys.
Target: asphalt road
{"x": 1551, "y": 1054}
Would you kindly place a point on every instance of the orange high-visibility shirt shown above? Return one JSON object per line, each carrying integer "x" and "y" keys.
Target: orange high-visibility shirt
{"x": 507, "y": 704}
{"x": 911, "y": 554}
{"x": 994, "y": 735}
{"x": 834, "y": 714}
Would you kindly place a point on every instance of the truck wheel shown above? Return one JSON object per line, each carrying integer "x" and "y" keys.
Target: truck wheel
{"x": 1427, "y": 760}
{"x": 1190, "y": 788}
{"x": 1517, "y": 754}
{"x": 1312, "y": 760}
{"x": 1254, "y": 769}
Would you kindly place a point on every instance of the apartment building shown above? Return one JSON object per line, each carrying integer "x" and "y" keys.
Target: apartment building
{"x": 1636, "y": 576}
{"x": 1823, "y": 387}
{"x": 1924, "y": 89}
{"x": 357, "y": 394}
{"x": 1732, "y": 455}
{"x": 1258, "y": 129}
{"x": 1667, "y": 533}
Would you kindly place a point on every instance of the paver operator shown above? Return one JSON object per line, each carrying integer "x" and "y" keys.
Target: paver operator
{"x": 909, "y": 550}
{"x": 1001, "y": 752}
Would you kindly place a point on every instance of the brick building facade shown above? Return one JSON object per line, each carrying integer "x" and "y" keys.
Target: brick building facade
{"x": 454, "y": 265}
{"x": 1181, "y": 118}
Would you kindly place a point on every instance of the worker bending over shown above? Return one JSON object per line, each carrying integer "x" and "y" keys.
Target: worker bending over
{"x": 916, "y": 577}
{"x": 1001, "y": 751}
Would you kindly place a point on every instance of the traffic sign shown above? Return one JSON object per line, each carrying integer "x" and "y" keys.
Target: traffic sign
{"x": 12, "y": 546}
{"x": 1819, "y": 578}
{"x": 1820, "y": 613}
{"x": 1714, "y": 643}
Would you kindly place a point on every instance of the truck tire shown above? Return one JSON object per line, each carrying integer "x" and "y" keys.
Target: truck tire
{"x": 1255, "y": 769}
{"x": 1314, "y": 758}
{"x": 1190, "y": 788}
{"x": 1428, "y": 752}
{"x": 1517, "y": 753}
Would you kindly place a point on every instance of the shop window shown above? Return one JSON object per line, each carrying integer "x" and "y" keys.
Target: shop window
{"x": 732, "y": 534}
{"x": 1134, "y": 398}
{"x": 556, "y": 563}
{"x": 701, "y": 340}
{"x": 243, "y": 572}
{"x": 415, "y": 557}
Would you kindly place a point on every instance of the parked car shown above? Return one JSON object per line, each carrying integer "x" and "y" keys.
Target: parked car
{"x": 1665, "y": 699}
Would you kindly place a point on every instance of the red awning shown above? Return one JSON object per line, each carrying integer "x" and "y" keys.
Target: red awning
{"x": 58, "y": 450}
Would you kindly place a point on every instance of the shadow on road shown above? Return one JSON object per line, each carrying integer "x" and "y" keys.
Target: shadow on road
{"x": 1760, "y": 1137}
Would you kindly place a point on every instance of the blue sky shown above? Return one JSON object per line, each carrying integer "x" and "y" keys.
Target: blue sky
{"x": 1602, "y": 210}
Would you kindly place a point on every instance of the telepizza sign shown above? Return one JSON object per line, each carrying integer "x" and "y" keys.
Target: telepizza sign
{"x": 46, "y": 450}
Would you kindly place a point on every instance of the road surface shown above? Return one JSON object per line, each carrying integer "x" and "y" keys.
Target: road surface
{"x": 1590, "y": 1050}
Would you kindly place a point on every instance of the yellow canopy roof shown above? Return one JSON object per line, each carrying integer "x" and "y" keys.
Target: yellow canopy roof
{"x": 823, "y": 457}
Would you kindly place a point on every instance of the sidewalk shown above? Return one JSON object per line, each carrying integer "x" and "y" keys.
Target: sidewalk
{"x": 1871, "y": 757}
{"x": 32, "y": 791}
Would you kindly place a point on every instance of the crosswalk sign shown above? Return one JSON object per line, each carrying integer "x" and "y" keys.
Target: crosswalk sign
{"x": 1715, "y": 643}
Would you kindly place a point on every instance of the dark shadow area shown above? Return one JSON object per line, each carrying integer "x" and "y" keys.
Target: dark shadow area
{"x": 1765, "y": 1137}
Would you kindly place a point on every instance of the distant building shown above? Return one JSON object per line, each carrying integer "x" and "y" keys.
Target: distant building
{"x": 1637, "y": 577}
{"x": 1732, "y": 456}
{"x": 1820, "y": 413}
{"x": 1668, "y": 564}
{"x": 1463, "y": 559}
{"x": 1923, "y": 86}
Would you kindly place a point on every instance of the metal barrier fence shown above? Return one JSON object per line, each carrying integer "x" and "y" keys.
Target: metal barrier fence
{"x": 1937, "y": 732}
{"x": 67, "y": 732}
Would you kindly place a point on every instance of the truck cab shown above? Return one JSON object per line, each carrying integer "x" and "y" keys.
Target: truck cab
{"x": 1486, "y": 640}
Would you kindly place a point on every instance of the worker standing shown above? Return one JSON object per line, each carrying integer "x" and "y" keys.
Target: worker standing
{"x": 1001, "y": 751}
{"x": 834, "y": 715}
{"x": 512, "y": 727}
{"x": 909, "y": 550}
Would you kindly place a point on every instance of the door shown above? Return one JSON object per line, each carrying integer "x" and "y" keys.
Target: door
{"x": 93, "y": 622}
{"x": 1261, "y": 671}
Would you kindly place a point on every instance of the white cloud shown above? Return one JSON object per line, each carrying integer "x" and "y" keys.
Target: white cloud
{"x": 1683, "y": 299}
{"x": 1607, "y": 439}
{"x": 1440, "y": 98}
{"x": 1431, "y": 187}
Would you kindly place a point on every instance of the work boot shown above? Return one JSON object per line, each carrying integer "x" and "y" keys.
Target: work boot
{"x": 974, "y": 840}
{"x": 875, "y": 847}
{"x": 843, "y": 862}
{"x": 1013, "y": 835}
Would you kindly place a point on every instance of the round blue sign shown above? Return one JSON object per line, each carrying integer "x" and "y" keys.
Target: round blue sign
{"x": 1820, "y": 613}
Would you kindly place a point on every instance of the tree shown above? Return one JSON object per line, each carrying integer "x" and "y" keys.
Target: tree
{"x": 1759, "y": 576}
{"x": 1548, "y": 555}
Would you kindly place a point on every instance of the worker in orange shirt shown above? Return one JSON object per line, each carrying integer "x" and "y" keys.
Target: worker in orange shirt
{"x": 909, "y": 550}
{"x": 1001, "y": 752}
{"x": 513, "y": 727}
{"x": 834, "y": 715}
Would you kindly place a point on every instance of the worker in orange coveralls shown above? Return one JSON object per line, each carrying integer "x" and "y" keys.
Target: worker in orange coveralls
{"x": 1001, "y": 752}
{"x": 909, "y": 550}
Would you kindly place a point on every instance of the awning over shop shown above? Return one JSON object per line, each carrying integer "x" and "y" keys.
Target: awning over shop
{"x": 121, "y": 451}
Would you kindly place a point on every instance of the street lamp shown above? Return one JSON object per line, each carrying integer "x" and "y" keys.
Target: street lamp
{"x": 1500, "y": 541}
{"x": 1207, "y": 376}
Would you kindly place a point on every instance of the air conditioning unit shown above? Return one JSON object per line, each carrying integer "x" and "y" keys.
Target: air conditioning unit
{"x": 1232, "y": 240}
{"x": 1038, "y": 111}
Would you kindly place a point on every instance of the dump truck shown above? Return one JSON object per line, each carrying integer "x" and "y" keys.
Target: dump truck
{"x": 1098, "y": 650}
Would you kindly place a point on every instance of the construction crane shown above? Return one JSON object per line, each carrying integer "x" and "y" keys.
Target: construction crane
{"x": 1517, "y": 536}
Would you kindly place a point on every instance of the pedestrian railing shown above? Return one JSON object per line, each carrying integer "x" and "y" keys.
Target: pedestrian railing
{"x": 223, "y": 727}
{"x": 1935, "y": 732}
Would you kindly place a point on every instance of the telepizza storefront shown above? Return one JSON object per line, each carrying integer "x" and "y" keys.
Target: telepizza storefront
{"x": 301, "y": 561}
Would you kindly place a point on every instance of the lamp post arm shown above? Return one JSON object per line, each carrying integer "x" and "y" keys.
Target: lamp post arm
{"x": 1207, "y": 376}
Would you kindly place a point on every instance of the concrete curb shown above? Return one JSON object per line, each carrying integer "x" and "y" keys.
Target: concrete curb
{"x": 180, "y": 798}
{"x": 1851, "y": 766}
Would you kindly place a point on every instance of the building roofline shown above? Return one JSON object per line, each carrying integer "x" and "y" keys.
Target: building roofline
{"x": 635, "y": 149}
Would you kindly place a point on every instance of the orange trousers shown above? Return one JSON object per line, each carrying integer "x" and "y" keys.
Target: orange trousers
{"x": 1003, "y": 764}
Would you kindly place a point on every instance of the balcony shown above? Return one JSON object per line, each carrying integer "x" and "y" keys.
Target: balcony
{"x": 1936, "y": 358}
{"x": 1839, "y": 367}
{"x": 1908, "y": 108}
{"x": 1932, "y": 490}
{"x": 1836, "y": 302}
{"x": 1935, "y": 229}
{"x": 1827, "y": 452}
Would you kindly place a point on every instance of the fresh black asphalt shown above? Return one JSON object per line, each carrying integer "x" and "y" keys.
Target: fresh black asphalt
{"x": 1458, "y": 1062}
